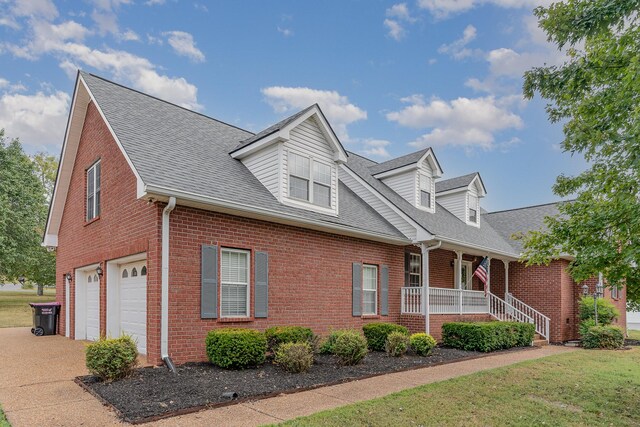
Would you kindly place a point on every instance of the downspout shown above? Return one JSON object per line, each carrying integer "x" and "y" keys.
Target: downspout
{"x": 425, "y": 280}
{"x": 164, "y": 300}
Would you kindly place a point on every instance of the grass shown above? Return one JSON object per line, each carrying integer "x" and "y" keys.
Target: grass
{"x": 14, "y": 306}
{"x": 634, "y": 335}
{"x": 3, "y": 419}
{"x": 589, "y": 388}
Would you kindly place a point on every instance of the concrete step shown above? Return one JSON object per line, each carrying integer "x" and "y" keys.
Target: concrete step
{"x": 540, "y": 342}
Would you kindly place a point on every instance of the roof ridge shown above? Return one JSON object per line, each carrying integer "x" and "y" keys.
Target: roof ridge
{"x": 460, "y": 176}
{"x": 405, "y": 155}
{"x": 165, "y": 101}
{"x": 529, "y": 207}
{"x": 361, "y": 156}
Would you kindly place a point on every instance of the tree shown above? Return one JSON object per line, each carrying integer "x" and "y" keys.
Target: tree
{"x": 46, "y": 168}
{"x": 596, "y": 95}
{"x": 23, "y": 214}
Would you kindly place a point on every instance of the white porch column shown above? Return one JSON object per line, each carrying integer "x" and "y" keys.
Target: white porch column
{"x": 425, "y": 286}
{"x": 459, "y": 270}
{"x": 506, "y": 277}
{"x": 488, "y": 275}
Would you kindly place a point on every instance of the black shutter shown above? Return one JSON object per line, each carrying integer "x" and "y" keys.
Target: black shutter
{"x": 261, "y": 301}
{"x": 209, "y": 282}
{"x": 407, "y": 268}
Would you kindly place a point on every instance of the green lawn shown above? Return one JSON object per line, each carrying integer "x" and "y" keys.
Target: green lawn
{"x": 634, "y": 335}
{"x": 3, "y": 419}
{"x": 14, "y": 306}
{"x": 588, "y": 388}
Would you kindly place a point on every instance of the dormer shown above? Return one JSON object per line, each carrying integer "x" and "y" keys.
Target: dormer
{"x": 296, "y": 160}
{"x": 461, "y": 196}
{"x": 412, "y": 177}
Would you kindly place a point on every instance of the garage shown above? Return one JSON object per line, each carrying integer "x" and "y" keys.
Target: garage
{"x": 87, "y": 305}
{"x": 132, "y": 302}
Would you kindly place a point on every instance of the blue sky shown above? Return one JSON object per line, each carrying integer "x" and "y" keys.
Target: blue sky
{"x": 392, "y": 77}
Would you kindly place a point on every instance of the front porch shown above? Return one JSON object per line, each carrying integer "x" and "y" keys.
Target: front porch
{"x": 445, "y": 288}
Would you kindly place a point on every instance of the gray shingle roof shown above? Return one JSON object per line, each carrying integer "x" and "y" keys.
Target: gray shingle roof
{"x": 442, "y": 223}
{"x": 521, "y": 220}
{"x": 182, "y": 150}
{"x": 453, "y": 183}
{"x": 398, "y": 162}
{"x": 272, "y": 129}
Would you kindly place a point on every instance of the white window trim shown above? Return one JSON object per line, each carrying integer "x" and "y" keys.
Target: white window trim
{"x": 477, "y": 209}
{"x": 431, "y": 190}
{"x": 375, "y": 267}
{"x": 309, "y": 203}
{"x": 248, "y": 308}
{"x": 95, "y": 192}
{"x": 419, "y": 274}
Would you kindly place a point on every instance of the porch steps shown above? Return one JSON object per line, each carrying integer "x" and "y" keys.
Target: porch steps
{"x": 539, "y": 341}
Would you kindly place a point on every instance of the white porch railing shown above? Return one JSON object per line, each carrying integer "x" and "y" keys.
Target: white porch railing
{"x": 502, "y": 310}
{"x": 539, "y": 320}
{"x": 411, "y": 302}
{"x": 444, "y": 301}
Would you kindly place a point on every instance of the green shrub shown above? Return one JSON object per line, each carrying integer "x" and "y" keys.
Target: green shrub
{"x": 585, "y": 325}
{"x": 423, "y": 344}
{"x": 377, "y": 333}
{"x": 350, "y": 347}
{"x": 607, "y": 312}
{"x": 487, "y": 336}
{"x": 326, "y": 347}
{"x": 112, "y": 358}
{"x": 236, "y": 348}
{"x": 397, "y": 344}
{"x": 604, "y": 337}
{"x": 277, "y": 335}
{"x": 295, "y": 356}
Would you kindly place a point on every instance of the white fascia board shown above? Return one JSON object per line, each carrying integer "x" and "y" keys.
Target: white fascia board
{"x": 477, "y": 181}
{"x": 204, "y": 202}
{"x": 139, "y": 182}
{"x": 424, "y": 234}
{"x": 479, "y": 249}
{"x": 396, "y": 171}
{"x": 452, "y": 191}
{"x": 435, "y": 166}
{"x": 258, "y": 145}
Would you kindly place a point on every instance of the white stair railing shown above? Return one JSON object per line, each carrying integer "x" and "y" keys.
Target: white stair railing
{"x": 539, "y": 320}
{"x": 503, "y": 311}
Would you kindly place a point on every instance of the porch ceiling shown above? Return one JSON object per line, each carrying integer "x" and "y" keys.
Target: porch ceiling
{"x": 476, "y": 252}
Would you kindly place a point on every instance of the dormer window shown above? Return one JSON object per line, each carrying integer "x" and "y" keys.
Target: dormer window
{"x": 321, "y": 184}
{"x": 425, "y": 191}
{"x": 298, "y": 177}
{"x": 473, "y": 209}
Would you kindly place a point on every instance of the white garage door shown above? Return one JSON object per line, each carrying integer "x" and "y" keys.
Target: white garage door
{"x": 93, "y": 307}
{"x": 133, "y": 303}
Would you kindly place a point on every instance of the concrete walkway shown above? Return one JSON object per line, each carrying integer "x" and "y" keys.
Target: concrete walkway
{"x": 37, "y": 388}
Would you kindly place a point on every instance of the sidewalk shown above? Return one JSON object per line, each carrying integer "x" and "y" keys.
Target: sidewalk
{"x": 37, "y": 388}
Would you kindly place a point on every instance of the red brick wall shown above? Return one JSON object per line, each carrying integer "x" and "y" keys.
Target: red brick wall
{"x": 126, "y": 225}
{"x": 497, "y": 277}
{"x": 310, "y": 281}
{"x": 415, "y": 322}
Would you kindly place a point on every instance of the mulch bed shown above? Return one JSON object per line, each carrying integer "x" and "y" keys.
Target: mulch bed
{"x": 154, "y": 393}
{"x": 631, "y": 342}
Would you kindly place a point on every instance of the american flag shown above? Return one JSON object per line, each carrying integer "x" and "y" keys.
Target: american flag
{"x": 482, "y": 272}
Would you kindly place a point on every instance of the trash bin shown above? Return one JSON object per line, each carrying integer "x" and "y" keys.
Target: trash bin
{"x": 45, "y": 318}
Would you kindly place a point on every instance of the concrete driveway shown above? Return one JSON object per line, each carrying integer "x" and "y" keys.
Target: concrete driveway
{"x": 37, "y": 388}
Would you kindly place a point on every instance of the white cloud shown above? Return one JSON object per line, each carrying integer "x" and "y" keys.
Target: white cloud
{"x": 467, "y": 122}
{"x": 339, "y": 111}
{"x": 38, "y": 119}
{"x": 285, "y": 31}
{"x": 8, "y": 21}
{"x": 394, "y": 29}
{"x": 154, "y": 2}
{"x": 445, "y": 8}
{"x": 396, "y": 16}
{"x": 376, "y": 148}
{"x": 130, "y": 35}
{"x": 458, "y": 49}
{"x": 107, "y": 22}
{"x": 184, "y": 45}
{"x": 35, "y": 9}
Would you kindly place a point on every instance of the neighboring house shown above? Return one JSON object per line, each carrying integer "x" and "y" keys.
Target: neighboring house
{"x": 169, "y": 224}
{"x": 633, "y": 320}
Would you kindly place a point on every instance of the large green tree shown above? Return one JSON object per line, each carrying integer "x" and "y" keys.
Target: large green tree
{"x": 23, "y": 214}
{"x": 596, "y": 95}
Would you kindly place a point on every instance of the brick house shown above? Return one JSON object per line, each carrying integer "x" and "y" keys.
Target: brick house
{"x": 168, "y": 223}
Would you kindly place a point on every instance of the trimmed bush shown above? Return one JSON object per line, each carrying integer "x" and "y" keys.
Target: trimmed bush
{"x": 487, "y": 336}
{"x": 327, "y": 343}
{"x": 377, "y": 333}
{"x": 277, "y": 335}
{"x": 350, "y": 347}
{"x": 603, "y": 337}
{"x": 423, "y": 344}
{"x": 294, "y": 356}
{"x": 397, "y": 344}
{"x": 112, "y": 358}
{"x": 236, "y": 348}
{"x": 585, "y": 325}
{"x": 607, "y": 312}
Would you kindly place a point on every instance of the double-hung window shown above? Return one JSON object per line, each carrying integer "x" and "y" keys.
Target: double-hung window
{"x": 425, "y": 191}
{"x": 369, "y": 289}
{"x": 93, "y": 191}
{"x": 473, "y": 208}
{"x": 234, "y": 301}
{"x": 415, "y": 265}
{"x": 304, "y": 185}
